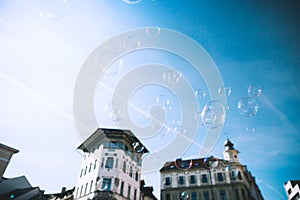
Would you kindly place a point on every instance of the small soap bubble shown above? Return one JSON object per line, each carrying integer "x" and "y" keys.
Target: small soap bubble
{"x": 213, "y": 114}
{"x": 249, "y": 129}
{"x": 115, "y": 68}
{"x": 138, "y": 147}
{"x": 115, "y": 110}
{"x": 224, "y": 91}
{"x": 254, "y": 90}
{"x": 200, "y": 94}
{"x": 54, "y": 9}
{"x": 164, "y": 101}
{"x": 179, "y": 130}
{"x": 247, "y": 106}
{"x": 103, "y": 59}
{"x": 172, "y": 76}
{"x": 175, "y": 122}
{"x": 131, "y": 43}
{"x": 184, "y": 196}
{"x": 132, "y": 1}
{"x": 183, "y": 164}
{"x": 152, "y": 31}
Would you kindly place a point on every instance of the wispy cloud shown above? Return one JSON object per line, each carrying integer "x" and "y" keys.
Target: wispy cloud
{"x": 271, "y": 188}
{"x": 278, "y": 113}
{"x": 36, "y": 95}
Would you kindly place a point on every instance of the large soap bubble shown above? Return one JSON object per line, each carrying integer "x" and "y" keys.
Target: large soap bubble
{"x": 247, "y": 106}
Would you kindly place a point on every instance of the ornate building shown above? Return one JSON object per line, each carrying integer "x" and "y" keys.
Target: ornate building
{"x": 292, "y": 189}
{"x": 111, "y": 166}
{"x": 209, "y": 178}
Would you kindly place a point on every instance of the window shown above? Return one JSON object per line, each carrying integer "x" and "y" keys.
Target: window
{"x": 120, "y": 145}
{"x": 204, "y": 178}
{"x": 81, "y": 190}
{"x": 81, "y": 173}
{"x": 222, "y": 195}
{"x": 130, "y": 171}
{"x": 109, "y": 163}
{"x": 122, "y": 188}
{"x": 117, "y": 161}
{"x": 124, "y": 166}
{"x": 168, "y": 181}
{"x": 289, "y": 191}
{"x": 95, "y": 164}
{"x": 180, "y": 180}
{"x": 220, "y": 177}
{"x": 239, "y": 175}
{"x": 85, "y": 170}
{"x": 112, "y": 145}
{"x": 134, "y": 194}
{"x": 194, "y": 196}
{"x": 90, "y": 167}
{"x": 128, "y": 192}
{"x": 85, "y": 190}
{"x": 102, "y": 163}
{"x": 237, "y": 194}
{"x": 243, "y": 194}
{"x": 136, "y": 176}
{"x": 106, "y": 184}
{"x": 205, "y": 195}
{"x": 168, "y": 197}
{"x": 192, "y": 179}
{"x": 91, "y": 187}
{"x": 76, "y": 194}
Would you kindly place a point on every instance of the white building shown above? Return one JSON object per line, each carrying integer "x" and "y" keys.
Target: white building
{"x": 110, "y": 167}
{"x": 209, "y": 178}
{"x": 292, "y": 189}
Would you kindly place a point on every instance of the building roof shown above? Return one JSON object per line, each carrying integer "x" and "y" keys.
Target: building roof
{"x": 2, "y": 146}
{"x": 31, "y": 193}
{"x": 109, "y": 134}
{"x": 180, "y": 164}
{"x": 294, "y": 182}
{"x": 147, "y": 191}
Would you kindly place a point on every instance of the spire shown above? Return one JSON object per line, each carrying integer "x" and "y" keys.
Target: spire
{"x": 230, "y": 153}
{"x": 228, "y": 145}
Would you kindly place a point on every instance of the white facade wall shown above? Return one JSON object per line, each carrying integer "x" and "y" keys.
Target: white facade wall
{"x": 292, "y": 192}
{"x": 93, "y": 172}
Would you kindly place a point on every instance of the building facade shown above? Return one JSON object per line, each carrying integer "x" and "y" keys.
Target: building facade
{"x": 292, "y": 189}
{"x": 111, "y": 166}
{"x": 209, "y": 179}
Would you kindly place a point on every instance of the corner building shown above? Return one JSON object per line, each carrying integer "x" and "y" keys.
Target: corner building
{"x": 111, "y": 166}
{"x": 209, "y": 178}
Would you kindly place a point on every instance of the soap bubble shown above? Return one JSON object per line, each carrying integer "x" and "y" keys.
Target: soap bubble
{"x": 115, "y": 110}
{"x": 131, "y": 43}
{"x": 183, "y": 164}
{"x": 249, "y": 129}
{"x": 184, "y": 196}
{"x": 179, "y": 130}
{"x": 164, "y": 101}
{"x": 213, "y": 114}
{"x": 132, "y": 1}
{"x": 152, "y": 31}
{"x": 138, "y": 147}
{"x": 254, "y": 90}
{"x": 115, "y": 68}
{"x": 224, "y": 91}
{"x": 54, "y": 9}
{"x": 172, "y": 76}
{"x": 200, "y": 94}
{"x": 247, "y": 106}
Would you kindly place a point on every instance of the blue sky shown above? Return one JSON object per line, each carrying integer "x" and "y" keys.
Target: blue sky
{"x": 44, "y": 45}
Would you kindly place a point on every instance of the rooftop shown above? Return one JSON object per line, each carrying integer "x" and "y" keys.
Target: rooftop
{"x": 109, "y": 134}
